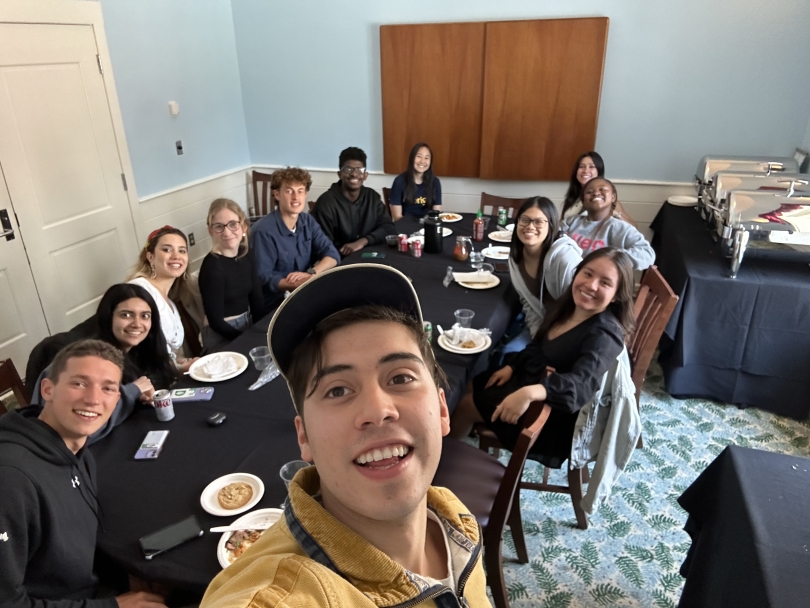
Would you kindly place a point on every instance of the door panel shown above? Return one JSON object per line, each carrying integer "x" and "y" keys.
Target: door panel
{"x": 60, "y": 157}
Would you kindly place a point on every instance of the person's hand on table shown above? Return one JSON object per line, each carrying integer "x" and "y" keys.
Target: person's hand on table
{"x": 350, "y": 248}
{"x": 296, "y": 279}
{"x": 147, "y": 390}
{"x": 140, "y": 599}
{"x": 502, "y": 376}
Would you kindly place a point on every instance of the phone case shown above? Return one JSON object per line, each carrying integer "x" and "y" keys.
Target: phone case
{"x": 202, "y": 393}
{"x": 170, "y": 537}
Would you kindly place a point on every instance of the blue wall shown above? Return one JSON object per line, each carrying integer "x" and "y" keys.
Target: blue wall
{"x": 682, "y": 79}
{"x": 183, "y": 51}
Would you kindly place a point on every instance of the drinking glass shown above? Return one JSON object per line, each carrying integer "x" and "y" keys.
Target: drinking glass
{"x": 289, "y": 470}
{"x": 476, "y": 259}
{"x": 464, "y": 317}
{"x": 261, "y": 357}
{"x": 485, "y": 268}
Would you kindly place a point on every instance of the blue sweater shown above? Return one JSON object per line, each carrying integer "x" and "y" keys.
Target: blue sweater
{"x": 419, "y": 207}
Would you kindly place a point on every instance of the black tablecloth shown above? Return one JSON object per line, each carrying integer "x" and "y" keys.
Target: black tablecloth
{"x": 744, "y": 341}
{"x": 140, "y": 497}
{"x": 750, "y": 532}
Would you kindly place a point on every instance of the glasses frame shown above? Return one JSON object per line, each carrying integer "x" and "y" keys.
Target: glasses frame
{"x": 353, "y": 170}
{"x": 220, "y": 228}
{"x": 537, "y": 222}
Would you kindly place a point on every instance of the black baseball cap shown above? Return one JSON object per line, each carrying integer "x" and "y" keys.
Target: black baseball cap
{"x": 332, "y": 291}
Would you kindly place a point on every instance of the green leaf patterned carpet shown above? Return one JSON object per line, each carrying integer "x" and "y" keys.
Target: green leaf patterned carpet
{"x": 631, "y": 553}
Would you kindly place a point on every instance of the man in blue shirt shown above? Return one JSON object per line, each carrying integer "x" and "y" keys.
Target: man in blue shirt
{"x": 288, "y": 246}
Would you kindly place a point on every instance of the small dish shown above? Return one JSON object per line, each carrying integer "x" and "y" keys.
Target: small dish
{"x": 446, "y": 345}
{"x": 494, "y": 282}
{"x": 501, "y": 236}
{"x": 208, "y": 498}
{"x": 197, "y": 371}
{"x": 259, "y": 517}
{"x": 449, "y": 217}
{"x": 683, "y": 201}
{"x": 497, "y": 253}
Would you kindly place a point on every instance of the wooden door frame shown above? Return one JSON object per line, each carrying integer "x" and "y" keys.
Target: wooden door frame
{"x": 83, "y": 12}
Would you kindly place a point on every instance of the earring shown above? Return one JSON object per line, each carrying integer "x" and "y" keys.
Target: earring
{"x": 154, "y": 273}
{"x": 185, "y": 275}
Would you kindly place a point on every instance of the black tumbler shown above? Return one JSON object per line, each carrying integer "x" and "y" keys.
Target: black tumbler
{"x": 433, "y": 233}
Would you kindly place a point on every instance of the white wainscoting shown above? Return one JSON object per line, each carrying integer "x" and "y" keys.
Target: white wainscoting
{"x": 186, "y": 206}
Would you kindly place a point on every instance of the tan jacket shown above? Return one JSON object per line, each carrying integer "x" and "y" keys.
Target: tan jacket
{"x": 309, "y": 558}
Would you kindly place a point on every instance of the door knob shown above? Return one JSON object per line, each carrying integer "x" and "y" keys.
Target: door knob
{"x": 5, "y": 223}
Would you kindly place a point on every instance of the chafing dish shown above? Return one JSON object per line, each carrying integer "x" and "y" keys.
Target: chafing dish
{"x": 765, "y": 219}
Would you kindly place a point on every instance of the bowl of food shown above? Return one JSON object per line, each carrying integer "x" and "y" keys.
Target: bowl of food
{"x": 233, "y": 544}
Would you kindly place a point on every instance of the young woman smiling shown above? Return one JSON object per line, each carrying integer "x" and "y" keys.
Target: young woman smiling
{"x": 229, "y": 285}
{"x": 588, "y": 166}
{"x": 128, "y": 319}
{"x": 577, "y": 343}
{"x": 598, "y": 227}
{"x": 416, "y": 191}
{"x": 542, "y": 262}
{"x": 162, "y": 271}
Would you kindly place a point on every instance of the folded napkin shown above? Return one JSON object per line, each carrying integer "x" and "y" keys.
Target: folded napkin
{"x": 220, "y": 364}
{"x": 473, "y": 277}
{"x": 458, "y": 336}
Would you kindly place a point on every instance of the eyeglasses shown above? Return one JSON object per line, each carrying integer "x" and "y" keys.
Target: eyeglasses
{"x": 220, "y": 228}
{"x": 350, "y": 170}
{"x": 525, "y": 221}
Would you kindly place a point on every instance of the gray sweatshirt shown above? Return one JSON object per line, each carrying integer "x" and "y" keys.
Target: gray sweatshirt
{"x": 611, "y": 232}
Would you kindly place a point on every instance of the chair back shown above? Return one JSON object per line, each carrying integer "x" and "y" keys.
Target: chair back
{"x": 493, "y": 202}
{"x": 10, "y": 381}
{"x": 652, "y": 309}
{"x": 190, "y": 329}
{"x": 263, "y": 202}
{"x": 387, "y": 199}
{"x": 311, "y": 205}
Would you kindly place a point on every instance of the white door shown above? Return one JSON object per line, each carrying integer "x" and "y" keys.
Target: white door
{"x": 61, "y": 162}
{"x": 22, "y": 323}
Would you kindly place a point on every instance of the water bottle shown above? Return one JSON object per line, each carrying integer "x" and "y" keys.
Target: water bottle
{"x": 433, "y": 233}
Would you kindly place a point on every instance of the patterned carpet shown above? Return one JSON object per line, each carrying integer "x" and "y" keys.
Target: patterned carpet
{"x": 631, "y": 553}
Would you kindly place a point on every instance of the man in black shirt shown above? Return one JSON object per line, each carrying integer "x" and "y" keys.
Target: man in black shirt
{"x": 351, "y": 215}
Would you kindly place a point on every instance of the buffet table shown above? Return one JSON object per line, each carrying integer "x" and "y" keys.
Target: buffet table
{"x": 141, "y": 496}
{"x": 750, "y": 532}
{"x": 744, "y": 341}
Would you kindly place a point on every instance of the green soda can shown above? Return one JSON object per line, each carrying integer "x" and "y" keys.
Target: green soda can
{"x": 501, "y": 216}
{"x": 428, "y": 327}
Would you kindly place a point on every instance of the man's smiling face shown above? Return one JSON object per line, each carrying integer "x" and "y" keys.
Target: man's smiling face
{"x": 374, "y": 423}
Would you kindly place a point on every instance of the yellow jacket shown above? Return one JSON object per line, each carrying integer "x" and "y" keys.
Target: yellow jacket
{"x": 308, "y": 558}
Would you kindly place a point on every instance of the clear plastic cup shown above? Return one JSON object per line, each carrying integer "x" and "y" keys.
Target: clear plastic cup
{"x": 464, "y": 317}
{"x": 485, "y": 268}
{"x": 289, "y": 470}
{"x": 476, "y": 259}
{"x": 261, "y": 357}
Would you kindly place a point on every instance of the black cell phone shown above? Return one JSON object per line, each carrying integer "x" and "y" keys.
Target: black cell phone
{"x": 501, "y": 267}
{"x": 170, "y": 537}
{"x": 373, "y": 254}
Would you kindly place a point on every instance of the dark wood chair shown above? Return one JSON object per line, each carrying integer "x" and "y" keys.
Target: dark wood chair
{"x": 311, "y": 205}
{"x": 490, "y": 491}
{"x": 653, "y": 307}
{"x": 263, "y": 201}
{"x": 190, "y": 329}
{"x": 10, "y": 381}
{"x": 387, "y": 199}
{"x": 493, "y": 202}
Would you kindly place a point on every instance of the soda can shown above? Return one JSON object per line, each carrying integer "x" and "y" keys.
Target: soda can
{"x": 501, "y": 216}
{"x": 403, "y": 243}
{"x": 164, "y": 408}
{"x": 416, "y": 248}
{"x": 428, "y": 326}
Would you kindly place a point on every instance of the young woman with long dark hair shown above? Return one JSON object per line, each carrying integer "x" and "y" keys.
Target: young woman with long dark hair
{"x": 417, "y": 190}
{"x": 588, "y": 166}
{"x": 578, "y": 341}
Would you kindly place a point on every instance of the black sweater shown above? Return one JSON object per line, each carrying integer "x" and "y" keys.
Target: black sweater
{"x": 344, "y": 221}
{"x": 229, "y": 287}
{"x": 48, "y": 518}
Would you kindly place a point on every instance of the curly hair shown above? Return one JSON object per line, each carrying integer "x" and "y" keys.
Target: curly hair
{"x": 290, "y": 175}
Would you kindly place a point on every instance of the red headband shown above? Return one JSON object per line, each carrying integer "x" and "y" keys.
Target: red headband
{"x": 154, "y": 233}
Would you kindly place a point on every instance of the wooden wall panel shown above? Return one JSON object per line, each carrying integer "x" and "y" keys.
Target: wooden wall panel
{"x": 432, "y": 78}
{"x": 542, "y": 83}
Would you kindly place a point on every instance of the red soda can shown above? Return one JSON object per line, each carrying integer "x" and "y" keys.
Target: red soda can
{"x": 416, "y": 248}
{"x": 403, "y": 243}
{"x": 164, "y": 408}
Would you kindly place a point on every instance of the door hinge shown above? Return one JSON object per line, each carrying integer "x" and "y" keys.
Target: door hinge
{"x": 124, "y": 180}
{"x": 100, "y": 67}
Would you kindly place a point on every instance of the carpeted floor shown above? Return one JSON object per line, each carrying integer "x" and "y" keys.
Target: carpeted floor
{"x": 631, "y": 553}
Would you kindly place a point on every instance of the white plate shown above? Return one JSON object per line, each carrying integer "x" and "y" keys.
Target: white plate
{"x": 682, "y": 201}
{"x": 196, "y": 371}
{"x": 445, "y": 344}
{"x": 457, "y": 217}
{"x": 509, "y": 227}
{"x": 259, "y": 517}
{"x": 208, "y": 498}
{"x": 496, "y": 253}
{"x": 488, "y": 285}
{"x": 501, "y": 236}
{"x": 445, "y": 231}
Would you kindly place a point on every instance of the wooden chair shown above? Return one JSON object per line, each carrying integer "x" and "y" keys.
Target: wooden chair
{"x": 653, "y": 307}
{"x": 311, "y": 205}
{"x": 387, "y": 199}
{"x": 512, "y": 204}
{"x": 490, "y": 491}
{"x": 190, "y": 329}
{"x": 10, "y": 381}
{"x": 263, "y": 201}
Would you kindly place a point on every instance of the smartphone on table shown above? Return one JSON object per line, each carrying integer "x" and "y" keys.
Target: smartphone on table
{"x": 170, "y": 537}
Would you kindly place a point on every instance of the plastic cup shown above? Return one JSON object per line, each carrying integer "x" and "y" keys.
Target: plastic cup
{"x": 485, "y": 268}
{"x": 289, "y": 470}
{"x": 476, "y": 259}
{"x": 486, "y": 219}
{"x": 261, "y": 357}
{"x": 464, "y": 317}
